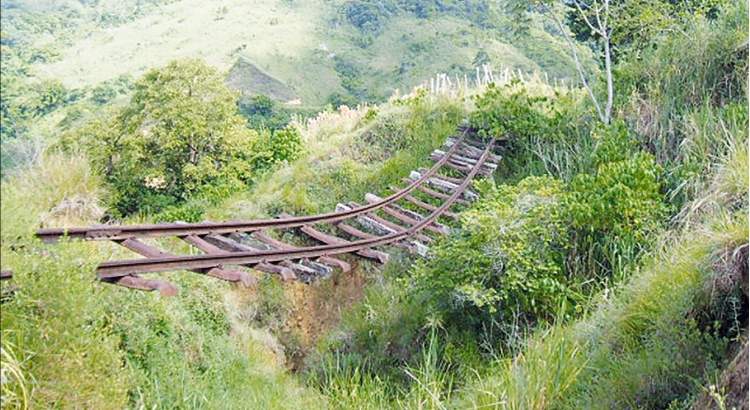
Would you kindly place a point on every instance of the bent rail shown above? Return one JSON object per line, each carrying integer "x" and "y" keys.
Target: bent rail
{"x": 51, "y": 235}
{"x": 246, "y": 244}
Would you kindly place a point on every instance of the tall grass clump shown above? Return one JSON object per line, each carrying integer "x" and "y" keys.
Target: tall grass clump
{"x": 430, "y": 384}
{"x": 652, "y": 341}
{"x": 57, "y": 189}
{"x": 377, "y": 337}
{"x": 687, "y": 98}
{"x": 536, "y": 378}
{"x": 16, "y": 386}
{"x": 71, "y": 341}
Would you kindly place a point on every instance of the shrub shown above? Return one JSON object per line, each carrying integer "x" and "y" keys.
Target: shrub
{"x": 505, "y": 111}
{"x": 615, "y": 208}
{"x": 546, "y": 132}
{"x": 184, "y": 213}
{"x": 649, "y": 343}
{"x": 179, "y": 133}
{"x": 286, "y": 144}
{"x": 506, "y": 260}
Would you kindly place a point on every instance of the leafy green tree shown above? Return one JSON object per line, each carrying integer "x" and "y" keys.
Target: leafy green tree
{"x": 367, "y": 15}
{"x": 23, "y": 101}
{"x": 636, "y": 24}
{"x": 180, "y": 132}
{"x": 261, "y": 105}
{"x": 351, "y": 78}
{"x": 12, "y": 116}
{"x": 45, "y": 96}
{"x": 612, "y": 28}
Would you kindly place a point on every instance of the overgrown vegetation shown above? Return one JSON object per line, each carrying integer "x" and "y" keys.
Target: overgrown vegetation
{"x": 71, "y": 341}
{"x": 180, "y": 137}
{"x": 566, "y": 278}
{"x": 604, "y": 265}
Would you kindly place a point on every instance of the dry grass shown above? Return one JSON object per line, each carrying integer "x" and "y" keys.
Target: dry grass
{"x": 54, "y": 190}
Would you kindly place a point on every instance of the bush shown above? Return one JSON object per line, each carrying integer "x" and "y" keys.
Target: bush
{"x": 338, "y": 99}
{"x": 505, "y": 111}
{"x": 185, "y": 213}
{"x": 286, "y": 144}
{"x": 616, "y": 208}
{"x": 507, "y": 261}
{"x": 546, "y": 132}
{"x": 179, "y": 133}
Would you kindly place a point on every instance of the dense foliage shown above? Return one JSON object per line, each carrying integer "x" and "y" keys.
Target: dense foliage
{"x": 636, "y": 25}
{"x": 179, "y": 135}
{"x": 369, "y": 15}
{"x": 507, "y": 261}
{"x": 604, "y": 265}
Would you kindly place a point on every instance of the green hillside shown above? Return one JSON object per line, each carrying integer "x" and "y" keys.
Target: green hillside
{"x": 604, "y": 264}
{"x": 299, "y": 43}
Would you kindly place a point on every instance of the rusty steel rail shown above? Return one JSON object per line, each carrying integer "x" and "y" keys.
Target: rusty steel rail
{"x": 245, "y": 243}
{"x": 121, "y": 232}
{"x": 109, "y": 270}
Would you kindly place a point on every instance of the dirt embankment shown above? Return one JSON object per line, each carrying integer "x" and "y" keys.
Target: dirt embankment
{"x": 317, "y": 308}
{"x": 732, "y": 391}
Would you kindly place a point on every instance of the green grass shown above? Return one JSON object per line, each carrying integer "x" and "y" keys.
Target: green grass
{"x": 648, "y": 343}
{"x": 71, "y": 341}
{"x": 349, "y": 387}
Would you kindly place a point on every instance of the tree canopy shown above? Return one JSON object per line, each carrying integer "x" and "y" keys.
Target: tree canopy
{"x": 180, "y": 131}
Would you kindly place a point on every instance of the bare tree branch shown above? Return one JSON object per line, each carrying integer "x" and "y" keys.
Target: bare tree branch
{"x": 604, "y": 118}
{"x": 586, "y": 19}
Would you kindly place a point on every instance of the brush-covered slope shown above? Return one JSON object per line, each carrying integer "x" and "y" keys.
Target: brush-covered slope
{"x": 313, "y": 48}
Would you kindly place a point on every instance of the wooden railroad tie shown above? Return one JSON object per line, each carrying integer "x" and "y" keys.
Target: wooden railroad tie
{"x": 229, "y": 248}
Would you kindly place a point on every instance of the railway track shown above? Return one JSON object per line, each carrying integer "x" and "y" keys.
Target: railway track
{"x": 404, "y": 219}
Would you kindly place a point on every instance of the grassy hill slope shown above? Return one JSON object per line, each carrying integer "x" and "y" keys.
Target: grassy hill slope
{"x": 265, "y": 30}
{"x": 307, "y": 45}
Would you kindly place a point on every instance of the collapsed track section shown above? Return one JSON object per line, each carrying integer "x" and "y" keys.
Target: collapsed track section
{"x": 226, "y": 247}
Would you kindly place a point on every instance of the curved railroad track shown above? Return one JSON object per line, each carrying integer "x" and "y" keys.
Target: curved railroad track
{"x": 226, "y": 246}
